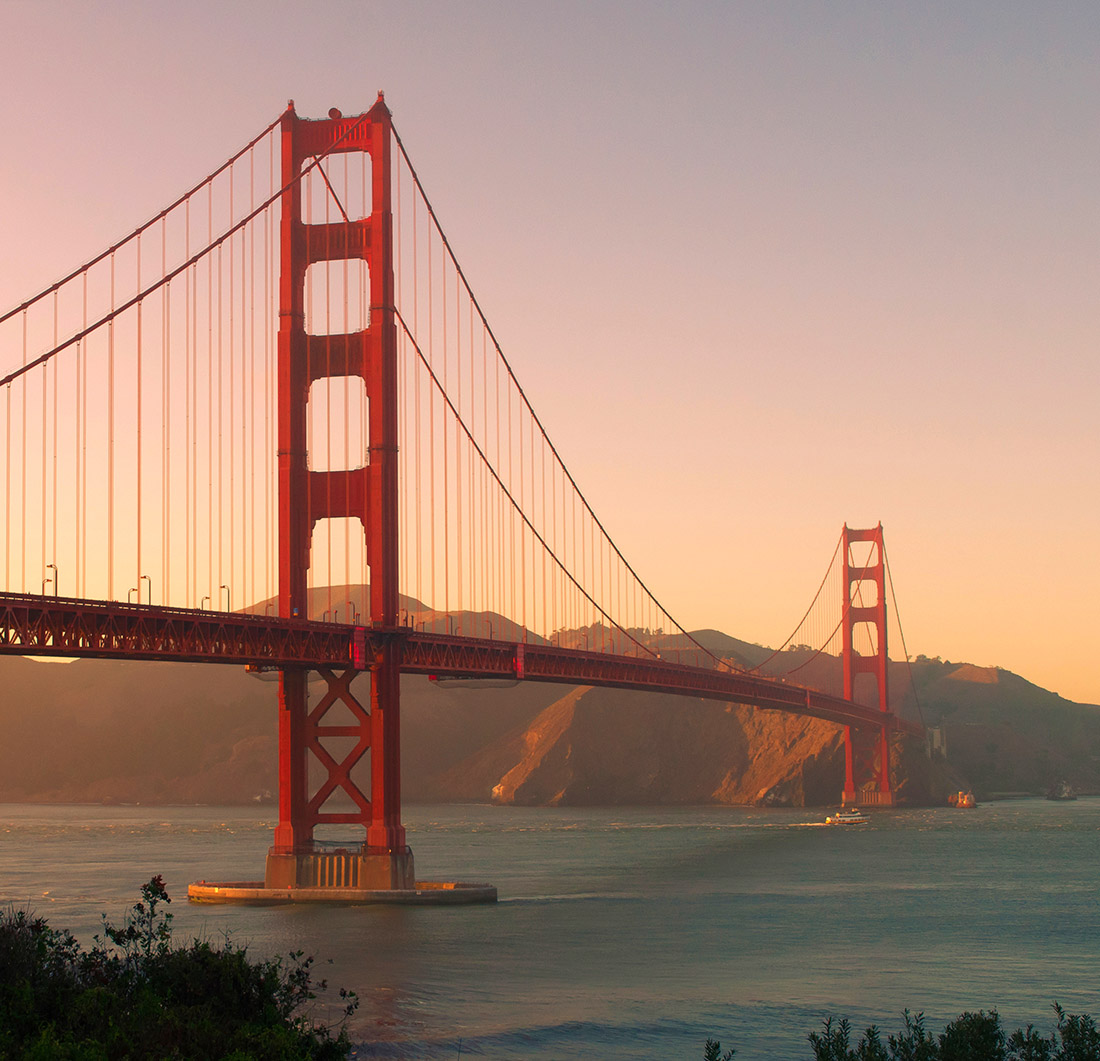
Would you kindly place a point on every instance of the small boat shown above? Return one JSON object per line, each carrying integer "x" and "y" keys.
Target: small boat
{"x": 962, "y": 800}
{"x": 847, "y": 816}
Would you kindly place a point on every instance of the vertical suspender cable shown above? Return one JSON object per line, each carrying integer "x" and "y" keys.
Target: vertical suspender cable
{"x": 54, "y": 454}
{"x": 111, "y": 442}
{"x": 431, "y": 428}
{"x": 455, "y": 345}
{"x": 446, "y": 460}
{"x": 230, "y": 490}
{"x": 166, "y": 423}
{"x": 137, "y": 432}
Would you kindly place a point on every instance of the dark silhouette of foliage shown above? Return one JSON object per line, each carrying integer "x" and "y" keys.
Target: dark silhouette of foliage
{"x": 973, "y": 1037}
{"x": 913, "y": 1043}
{"x": 970, "y": 1037}
{"x": 712, "y": 1051}
{"x": 134, "y": 995}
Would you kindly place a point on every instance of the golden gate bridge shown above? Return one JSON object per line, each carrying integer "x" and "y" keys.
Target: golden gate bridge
{"x": 282, "y": 383}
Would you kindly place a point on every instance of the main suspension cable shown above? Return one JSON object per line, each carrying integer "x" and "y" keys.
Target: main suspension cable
{"x": 527, "y": 403}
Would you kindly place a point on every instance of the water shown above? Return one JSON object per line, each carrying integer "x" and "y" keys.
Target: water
{"x": 632, "y": 933}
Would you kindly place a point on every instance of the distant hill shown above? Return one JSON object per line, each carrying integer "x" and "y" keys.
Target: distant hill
{"x": 111, "y": 731}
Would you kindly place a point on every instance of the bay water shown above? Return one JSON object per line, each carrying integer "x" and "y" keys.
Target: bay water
{"x": 630, "y": 932}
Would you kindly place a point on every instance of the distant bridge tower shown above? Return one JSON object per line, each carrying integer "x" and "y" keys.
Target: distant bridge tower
{"x": 381, "y": 861}
{"x": 867, "y": 753}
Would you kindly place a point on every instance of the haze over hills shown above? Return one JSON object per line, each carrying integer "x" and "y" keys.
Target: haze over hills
{"x": 115, "y": 731}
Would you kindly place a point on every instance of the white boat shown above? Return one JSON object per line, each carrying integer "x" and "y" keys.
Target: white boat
{"x": 847, "y": 816}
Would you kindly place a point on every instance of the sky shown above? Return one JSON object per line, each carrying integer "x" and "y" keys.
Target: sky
{"x": 763, "y": 268}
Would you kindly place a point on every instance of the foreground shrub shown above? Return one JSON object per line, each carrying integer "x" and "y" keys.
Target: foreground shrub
{"x": 970, "y": 1037}
{"x": 134, "y": 995}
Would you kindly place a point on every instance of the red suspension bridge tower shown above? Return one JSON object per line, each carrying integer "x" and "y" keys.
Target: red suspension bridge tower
{"x": 866, "y": 754}
{"x": 368, "y": 493}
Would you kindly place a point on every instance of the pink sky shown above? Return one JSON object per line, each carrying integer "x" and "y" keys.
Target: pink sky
{"x": 762, "y": 267}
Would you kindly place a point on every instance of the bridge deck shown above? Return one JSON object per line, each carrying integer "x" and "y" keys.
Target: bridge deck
{"x": 68, "y": 627}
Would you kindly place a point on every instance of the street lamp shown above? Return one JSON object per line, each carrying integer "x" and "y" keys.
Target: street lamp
{"x": 54, "y": 567}
{"x": 202, "y": 603}
{"x": 228, "y": 599}
{"x": 150, "y": 581}
{"x": 132, "y": 589}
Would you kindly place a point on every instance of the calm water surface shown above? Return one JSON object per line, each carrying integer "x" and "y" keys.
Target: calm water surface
{"x": 632, "y": 933}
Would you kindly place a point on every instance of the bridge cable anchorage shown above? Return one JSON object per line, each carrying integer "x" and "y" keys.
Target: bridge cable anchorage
{"x": 534, "y": 416}
{"x": 164, "y": 280}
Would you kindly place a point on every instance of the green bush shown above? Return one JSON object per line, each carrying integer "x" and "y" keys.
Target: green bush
{"x": 970, "y": 1037}
{"x": 134, "y": 995}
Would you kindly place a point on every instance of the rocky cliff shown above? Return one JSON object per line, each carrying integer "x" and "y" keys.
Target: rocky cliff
{"x": 609, "y": 746}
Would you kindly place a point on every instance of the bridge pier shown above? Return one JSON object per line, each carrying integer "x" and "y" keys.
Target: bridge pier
{"x": 867, "y": 753}
{"x": 342, "y": 867}
{"x": 380, "y": 867}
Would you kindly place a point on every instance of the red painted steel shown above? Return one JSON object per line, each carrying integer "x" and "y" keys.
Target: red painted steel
{"x": 854, "y": 663}
{"x": 69, "y": 627}
{"x": 293, "y": 644}
{"x": 449, "y": 656}
{"x": 368, "y": 493}
{"x": 43, "y": 626}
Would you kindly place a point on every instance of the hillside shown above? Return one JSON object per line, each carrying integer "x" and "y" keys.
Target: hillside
{"x": 107, "y": 731}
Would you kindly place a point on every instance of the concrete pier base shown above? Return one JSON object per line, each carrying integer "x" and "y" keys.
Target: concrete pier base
{"x": 423, "y": 893}
{"x": 868, "y": 798}
{"x": 339, "y": 874}
{"x": 353, "y": 867}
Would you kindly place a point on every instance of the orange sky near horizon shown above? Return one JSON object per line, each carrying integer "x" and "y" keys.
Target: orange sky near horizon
{"x": 763, "y": 268}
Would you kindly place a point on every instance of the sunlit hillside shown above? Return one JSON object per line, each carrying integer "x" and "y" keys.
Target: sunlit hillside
{"x": 138, "y": 732}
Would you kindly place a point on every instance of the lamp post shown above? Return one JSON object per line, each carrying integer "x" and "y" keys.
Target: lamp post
{"x": 202, "y": 603}
{"x": 129, "y": 599}
{"x": 150, "y": 581}
{"x": 228, "y": 599}
{"x": 54, "y": 568}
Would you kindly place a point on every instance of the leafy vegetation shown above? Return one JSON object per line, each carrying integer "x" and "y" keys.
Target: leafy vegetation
{"x": 970, "y": 1037}
{"x": 134, "y": 995}
{"x": 712, "y": 1051}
